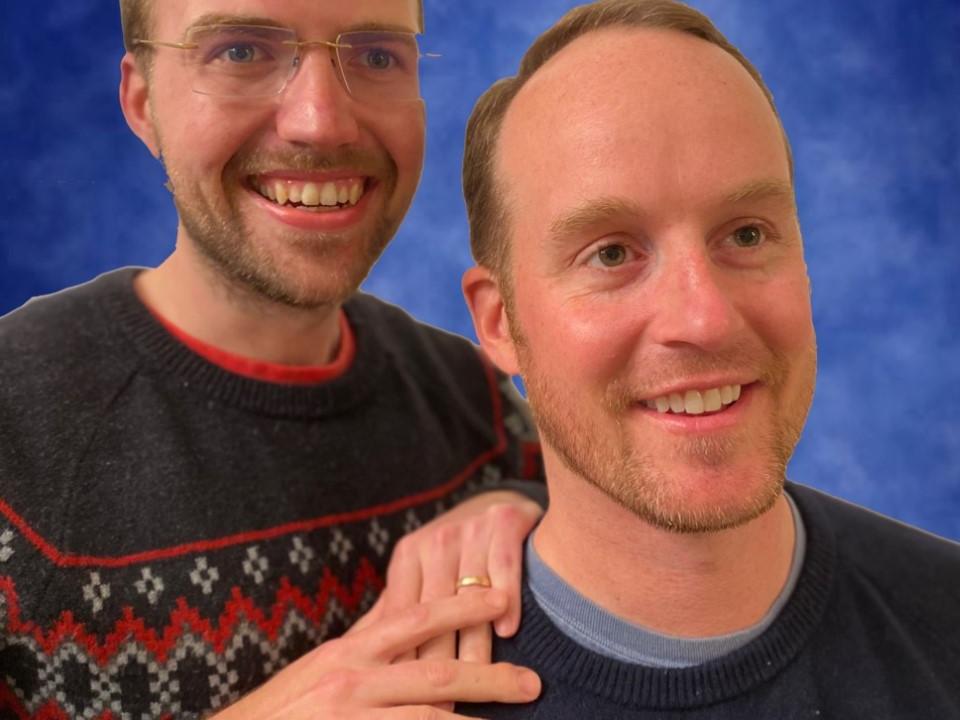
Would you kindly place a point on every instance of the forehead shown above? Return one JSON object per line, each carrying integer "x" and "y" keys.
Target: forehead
{"x": 308, "y": 17}
{"x": 656, "y": 115}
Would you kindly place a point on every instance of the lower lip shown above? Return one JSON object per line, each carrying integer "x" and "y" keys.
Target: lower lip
{"x": 703, "y": 424}
{"x": 338, "y": 218}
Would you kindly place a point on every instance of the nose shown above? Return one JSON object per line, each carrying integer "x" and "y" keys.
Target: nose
{"x": 315, "y": 108}
{"x": 696, "y": 301}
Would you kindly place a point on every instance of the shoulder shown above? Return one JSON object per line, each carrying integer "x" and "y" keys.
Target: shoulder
{"x": 401, "y": 335}
{"x": 431, "y": 358}
{"x": 908, "y": 567}
{"x": 54, "y": 328}
{"x": 59, "y": 358}
{"x": 448, "y": 370}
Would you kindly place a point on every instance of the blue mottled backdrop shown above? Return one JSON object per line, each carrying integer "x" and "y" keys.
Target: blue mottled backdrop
{"x": 870, "y": 94}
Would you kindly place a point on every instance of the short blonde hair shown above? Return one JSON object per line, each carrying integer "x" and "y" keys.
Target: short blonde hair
{"x": 486, "y": 211}
{"x": 135, "y": 19}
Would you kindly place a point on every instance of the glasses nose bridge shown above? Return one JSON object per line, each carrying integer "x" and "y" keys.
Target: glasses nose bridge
{"x": 300, "y": 47}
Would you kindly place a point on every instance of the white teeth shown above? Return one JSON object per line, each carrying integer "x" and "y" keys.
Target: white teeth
{"x": 693, "y": 403}
{"x": 726, "y": 395}
{"x": 711, "y": 400}
{"x": 310, "y": 195}
{"x": 696, "y": 402}
{"x": 328, "y": 195}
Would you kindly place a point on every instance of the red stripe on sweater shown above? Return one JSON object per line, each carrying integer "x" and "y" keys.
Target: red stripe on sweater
{"x": 62, "y": 559}
{"x": 267, "y": 371}
{"x": 216, "y": 631}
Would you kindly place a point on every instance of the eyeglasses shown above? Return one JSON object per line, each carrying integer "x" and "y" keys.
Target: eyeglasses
{"x": 249, "y": 61}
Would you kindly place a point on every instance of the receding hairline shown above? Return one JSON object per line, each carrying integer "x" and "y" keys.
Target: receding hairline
{"x": 598, "y": 210}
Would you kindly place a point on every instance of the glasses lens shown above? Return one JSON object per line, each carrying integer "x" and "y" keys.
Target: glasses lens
{"x": 380, "y": 66}
{"x": 241, "y": 60}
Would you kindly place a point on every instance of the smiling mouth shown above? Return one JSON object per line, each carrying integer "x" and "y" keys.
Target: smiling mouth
{"x": 311, "y": 196}
{"x": 696, "y": 402}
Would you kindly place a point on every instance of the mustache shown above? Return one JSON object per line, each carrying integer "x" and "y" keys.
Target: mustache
{"x": 312, "y": 160}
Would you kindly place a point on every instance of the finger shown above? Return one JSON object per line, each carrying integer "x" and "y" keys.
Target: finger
{"x": 404, "y": 583}
{"x": 505, "y": 559}
{"x": 388, "y": 638}
{"x": 474, "y": 644}
{"x": 439, "y": 567}
{"x": 429, "y": 682}
{"x": 368, "y": 618}
{"x": 414, "y": 712}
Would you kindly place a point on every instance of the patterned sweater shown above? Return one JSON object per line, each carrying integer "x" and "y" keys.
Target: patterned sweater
{"x": 172, "y": 534}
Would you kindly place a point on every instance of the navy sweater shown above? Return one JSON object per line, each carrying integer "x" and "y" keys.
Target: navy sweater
{"x": 871, "y": 631}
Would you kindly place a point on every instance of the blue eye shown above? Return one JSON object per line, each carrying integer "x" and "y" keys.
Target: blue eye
{"x": 379, "y": 59}
{"x": 241, "y": 53}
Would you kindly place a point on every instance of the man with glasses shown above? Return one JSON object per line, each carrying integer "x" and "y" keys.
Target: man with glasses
{"x": 205, "y": 466}
{"x": 655, "y": 299}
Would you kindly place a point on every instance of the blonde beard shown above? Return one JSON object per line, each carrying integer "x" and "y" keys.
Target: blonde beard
{"x": 230, "y": 249}
{"x": 634, "y": 479}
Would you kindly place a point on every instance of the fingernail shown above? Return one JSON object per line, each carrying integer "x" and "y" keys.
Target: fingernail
{"x": 529, "y": 683}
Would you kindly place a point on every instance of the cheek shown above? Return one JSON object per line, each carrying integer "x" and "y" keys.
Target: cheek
{"x": 201, "y": 133}
{"x": 785, "y": 317}
{"x": 402, "y": 134}
{"x": 588, "y": 342}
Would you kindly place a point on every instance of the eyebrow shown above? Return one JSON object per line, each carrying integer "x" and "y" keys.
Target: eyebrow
{"x": 231, "y": 19}
{"x": 766, "y": 189}
{"x": 590, "y": 215}
{"x": 607, "y": 209}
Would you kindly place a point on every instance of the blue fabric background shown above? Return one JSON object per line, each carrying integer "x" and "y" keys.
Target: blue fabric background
{"x": 868, "y": 90}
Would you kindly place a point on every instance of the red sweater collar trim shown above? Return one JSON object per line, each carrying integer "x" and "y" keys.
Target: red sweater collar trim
{"x": 267, "y": 371}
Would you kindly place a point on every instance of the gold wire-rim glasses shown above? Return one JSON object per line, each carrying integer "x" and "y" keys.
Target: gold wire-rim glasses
{"x": 297, "y": 45}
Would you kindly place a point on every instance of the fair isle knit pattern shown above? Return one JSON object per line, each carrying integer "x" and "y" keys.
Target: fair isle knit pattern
{"x": 171, "y": 534}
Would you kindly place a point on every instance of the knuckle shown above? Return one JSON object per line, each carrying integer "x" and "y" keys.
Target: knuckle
{"x": 405, "y": 549}
{"x": 417, "y": 615}
{"x": 336, "y": 685}
{"x": 327, "y": 654}
{"x": 504, "y": 514}
{"x": 506, "y": 558}
{"x": 475, "y": 529}
{"x": 438, "y": 673}
{"x": 445, "y": 535}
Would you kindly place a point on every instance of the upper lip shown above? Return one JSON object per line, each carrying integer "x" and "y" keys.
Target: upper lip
{"x": 314, "y": 177}
{"x": 700, "y": 384}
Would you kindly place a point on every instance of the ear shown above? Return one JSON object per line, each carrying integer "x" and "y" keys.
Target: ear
{"x": 135, "y": 103}
{"x": 482, "y": 293}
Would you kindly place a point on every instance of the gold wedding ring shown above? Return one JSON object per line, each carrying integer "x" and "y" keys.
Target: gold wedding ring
{"x": 473, "y": 581}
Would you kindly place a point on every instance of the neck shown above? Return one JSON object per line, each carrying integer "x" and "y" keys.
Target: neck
{"x": 190, "y": 294}
{"x": 695, "y": 585}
